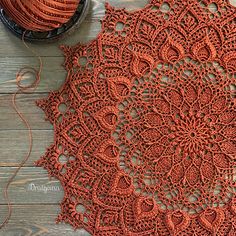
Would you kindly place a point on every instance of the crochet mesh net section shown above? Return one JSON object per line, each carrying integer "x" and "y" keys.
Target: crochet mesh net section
{"x": 148, "y": 127}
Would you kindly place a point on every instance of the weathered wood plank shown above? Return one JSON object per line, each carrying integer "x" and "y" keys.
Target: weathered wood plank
{"x": 9, "y": 120}
{"x": 14, "y": 146}
{"x": 13, "y": 47}
{"x": 31, "y": 186}
{"x": 35, "y": 220}
{"x": 52, "y": 77}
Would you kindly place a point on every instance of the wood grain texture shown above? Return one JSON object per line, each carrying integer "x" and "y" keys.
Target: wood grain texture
{"x": 31, "y": 186}
{"x": 36, "y": 220}
{"x": 52, "y": 77}
{"x": 34, "y": 196}
{"x": 13, "y": 146}
{"x": 9, "y": 120}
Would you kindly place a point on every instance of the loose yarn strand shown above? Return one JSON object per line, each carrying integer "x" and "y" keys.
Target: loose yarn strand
{"x": 22, "y": 89}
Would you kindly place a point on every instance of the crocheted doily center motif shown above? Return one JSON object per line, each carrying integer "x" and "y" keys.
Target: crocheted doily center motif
{"x": 145, "y": 126}
{"x": 176, "y": 132}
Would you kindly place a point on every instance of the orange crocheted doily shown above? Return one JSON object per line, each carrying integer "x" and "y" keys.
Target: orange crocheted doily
{"x": 149, "y": 129}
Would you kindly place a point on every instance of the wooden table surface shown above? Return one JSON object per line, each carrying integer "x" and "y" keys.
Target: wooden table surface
{"x": 34, "y": 197}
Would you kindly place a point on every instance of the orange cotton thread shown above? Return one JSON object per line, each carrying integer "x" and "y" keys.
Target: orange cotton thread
{"x": 22, "y": 89}
{"x": 40, "y": 15}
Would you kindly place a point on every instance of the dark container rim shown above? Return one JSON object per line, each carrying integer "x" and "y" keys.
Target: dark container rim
{"x": 48, "y": 36}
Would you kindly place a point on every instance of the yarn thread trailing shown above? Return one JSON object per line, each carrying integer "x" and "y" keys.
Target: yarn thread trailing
{"x": 36, "y": 73}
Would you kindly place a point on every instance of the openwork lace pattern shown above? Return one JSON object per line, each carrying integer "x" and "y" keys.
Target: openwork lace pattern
{"x": 146, "y": 123}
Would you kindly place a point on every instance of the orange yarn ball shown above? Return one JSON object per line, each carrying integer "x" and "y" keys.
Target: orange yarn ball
{"x": 40, "y": 15}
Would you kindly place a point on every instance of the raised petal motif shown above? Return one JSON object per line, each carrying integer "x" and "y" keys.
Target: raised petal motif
{"x": 208, "y": 170}
{"x": 171, "y": 51}
{"x": 108, "y": 151}
{"x": 141, "y": 63}
{"x": 145, "y": 208}
{"x": 230, "y": 132}
{"x": 107, "y": 117}
{"x": 119, "y": 87}
{"x": 176, "y": 98}
{"x": 177, "y": 173}
{"x": 177, "y": 221}
{"x": 229, "y": 147}
{"x": 211, "y": 219}
{"x": 153, "y": 119}
{"x": 163, "y": 164}
{"x": 122, "y": 184}
{"x": 191, "y": 94}
{"x": 219, "y": 104}
{"x": 161, "y": 105}
{"x": 154, "y": 151}
{"x": 227, "y": 117}
{"x": 230, "y": 61}
{"x": 151, "y": 135}
{"x": 204, "y": 50}
{"x": 193, "y": 175}
{"x": 221, "y": 160}
{"x": 206, "y": 96}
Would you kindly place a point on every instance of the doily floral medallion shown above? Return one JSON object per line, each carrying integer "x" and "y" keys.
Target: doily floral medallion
{"x": 148, "y": 127}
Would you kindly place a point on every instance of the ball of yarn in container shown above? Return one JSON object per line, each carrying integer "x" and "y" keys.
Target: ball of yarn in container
{"x": 40, "y": 15}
